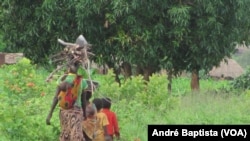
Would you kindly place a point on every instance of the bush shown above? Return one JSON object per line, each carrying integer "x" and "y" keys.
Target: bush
{"x": 27, "y": 98}
{"x": 243, "y": 81}
{"x": 2, "y": 45}
{"x": 152, "y": 93}
{"x": 25, "y": 102}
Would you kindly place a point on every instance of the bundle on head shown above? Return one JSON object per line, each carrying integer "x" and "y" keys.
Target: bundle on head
{"x": 73, "y": 54}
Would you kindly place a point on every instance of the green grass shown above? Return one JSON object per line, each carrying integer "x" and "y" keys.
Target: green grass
{"x": 136, "y": 105}
{"x": 209, "y": 106}
{"x": 198, "y": 108}
{"x": 210, "y": 109}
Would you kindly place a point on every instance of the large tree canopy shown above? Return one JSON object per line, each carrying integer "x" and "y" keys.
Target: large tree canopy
{"x": 176, "y": 35}
{"x": 126, "y": 33}
{"x": 205, "y": 32}
{"x": 33, "y": 27}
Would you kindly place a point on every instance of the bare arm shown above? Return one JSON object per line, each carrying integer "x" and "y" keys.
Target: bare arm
{"x": 54, "y": 103}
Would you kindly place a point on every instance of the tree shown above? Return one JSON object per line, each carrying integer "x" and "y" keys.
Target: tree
{"x": 203, "y": 33}
{"x": 2, "y": 45}
{"x": 127, "y": 34}
{"x": 177, "y": 35}
{"x": 33, "y": 27}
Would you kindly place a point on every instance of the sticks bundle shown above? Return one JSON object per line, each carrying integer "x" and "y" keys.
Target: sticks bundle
{"x": 73, "y": 53}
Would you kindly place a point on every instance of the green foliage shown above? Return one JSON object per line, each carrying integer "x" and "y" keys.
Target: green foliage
{"x": 24, "y": 98}
{"x": 2, "y": 45}
{"x": 34, "y": 27}
{"x": 130, "y": 37}
{"x": 27, "y": 98}
{"x": 106, "y": 83}
{"x": 135, "y": 97}
{"x": 176, "y": 35}
{"x": 153, "y": 93}
{"x": 195, "y": 28}
{"x": 91, "y": 73}
{"x": 243, "y": 81}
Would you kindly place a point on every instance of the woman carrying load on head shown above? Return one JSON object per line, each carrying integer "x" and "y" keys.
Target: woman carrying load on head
{"x": 70, "y": 117}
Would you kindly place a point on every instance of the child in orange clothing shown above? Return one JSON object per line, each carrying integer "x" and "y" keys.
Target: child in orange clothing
{"x": 102, "y": 122}
{"x": 113, "y": 127}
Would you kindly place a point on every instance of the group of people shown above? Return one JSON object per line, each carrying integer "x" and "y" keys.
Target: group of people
{"x": 101, "y": 123}
{"x": 86, "y": 119}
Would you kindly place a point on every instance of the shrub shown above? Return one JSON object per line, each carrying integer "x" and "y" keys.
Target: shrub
{"x": 27, "y": 99}
{"x": 243, "y": 81}
{"x": 24, "y": 95}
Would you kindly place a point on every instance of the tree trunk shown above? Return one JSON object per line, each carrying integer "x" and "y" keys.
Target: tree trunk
{"x": 145, "y": 71}
{"x": 116, "y": 72}
{"x": 195, "y": 86}
{"x": 104, "y": 69}
{"x": 169, "y": 77}
{"x": 126, "y": 70}
{"x": 139, "y": 71}
{"x": 146, "y": 74}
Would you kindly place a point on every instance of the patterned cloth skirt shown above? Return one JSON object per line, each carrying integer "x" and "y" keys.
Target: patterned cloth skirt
{"x": 71, "y": 129}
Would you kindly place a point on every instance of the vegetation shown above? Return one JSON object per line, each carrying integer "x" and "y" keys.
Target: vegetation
{"x": 152, "y": 35}
{"x": 136, "y": 37}
{"x": 242, "y": 82}
{"x": 26, "y": 98}
{"x": 2, "y": 45}
{"x": 242, "y": 58}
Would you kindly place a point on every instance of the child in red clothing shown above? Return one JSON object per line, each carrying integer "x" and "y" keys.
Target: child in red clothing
{"x": 113, "y": 127}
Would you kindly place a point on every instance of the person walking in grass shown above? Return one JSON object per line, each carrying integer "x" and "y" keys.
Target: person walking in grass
{"x": 113, "y": 127}
{"x": 71, "y": 111}
{"x": 90, "y": 123}
{"x": 102, "y": 122}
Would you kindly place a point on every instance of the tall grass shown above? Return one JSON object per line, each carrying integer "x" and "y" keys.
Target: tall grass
{"x": 136, "y": 104}
{"x": 210, "y": 108}
{"x": 214, "y": 104}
